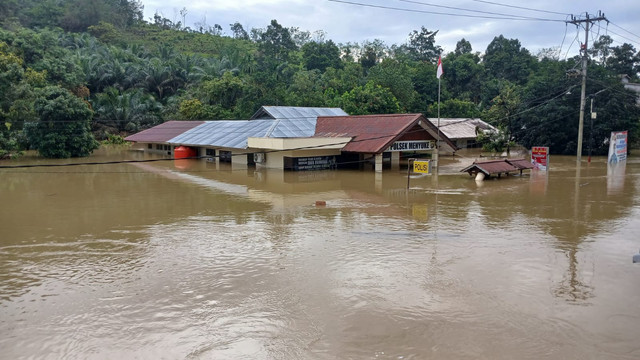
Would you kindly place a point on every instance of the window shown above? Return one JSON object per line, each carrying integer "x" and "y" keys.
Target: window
{"x": 211, "y": 152}
{"x": 225, "y": 156}
{"x": 150, "y": 146}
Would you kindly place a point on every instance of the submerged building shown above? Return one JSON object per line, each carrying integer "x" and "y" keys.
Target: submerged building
{"x": 300, "y": 138}
{"x": 463, "y": 131}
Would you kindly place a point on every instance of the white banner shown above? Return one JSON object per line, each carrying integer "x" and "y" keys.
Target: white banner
{"x": 412, "y": 145}
{"x": 617, "y": 147}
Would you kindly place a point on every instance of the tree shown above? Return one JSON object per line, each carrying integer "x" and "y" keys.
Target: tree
{"x": 238, "y": 31}
{"x": 369, "y": 99}
{"x": 552, "y": 112}
{"x": 454, "y": 108}
{"x": 506, "y": 59}
{"x": 63, "y": 128}
{"x": 464, "y": 76}
{"x": 321, "y": 55}
{"x": 372, "y": 52}
{"x": 625, "y": 60}
{"x": 422, "y": 46}
{"x": 125, "y": 111}
{"x": 504, "y": 110}
{"x": 396, "y": 77}
{"x": 306, "y": 89}
{"x": 276, "y": 42}
{"x": 194, "y": 109}
{"x": 601, "y": 49}
{"x": 463, "y": 47}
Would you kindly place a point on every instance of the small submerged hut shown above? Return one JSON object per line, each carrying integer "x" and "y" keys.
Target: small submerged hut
{"x": 483, "y": 169}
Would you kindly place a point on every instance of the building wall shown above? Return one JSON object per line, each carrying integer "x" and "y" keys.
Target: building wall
{"x": 275, "y": 160}
{"x": 153, "y": 148}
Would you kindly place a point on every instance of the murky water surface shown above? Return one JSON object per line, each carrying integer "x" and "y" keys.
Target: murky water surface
{"x": 190, "y": 261}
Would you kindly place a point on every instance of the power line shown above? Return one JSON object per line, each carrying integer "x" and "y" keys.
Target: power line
{"x": 198, "y": 157}
{"x": 441, "y": 13}
{"x": 520, "y": 7}
{"x": 622, "y": 36}
{"x": 625, "y": 30}
{"x": 463, "y": 9}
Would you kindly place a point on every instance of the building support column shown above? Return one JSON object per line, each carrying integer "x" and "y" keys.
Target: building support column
{"x": 239, "y": 161}
{"x": 395, "y": 160}
{"x": 379, "y": 162}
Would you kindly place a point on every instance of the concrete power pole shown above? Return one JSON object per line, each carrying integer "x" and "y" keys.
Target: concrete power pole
{"x": 587, "y": 21}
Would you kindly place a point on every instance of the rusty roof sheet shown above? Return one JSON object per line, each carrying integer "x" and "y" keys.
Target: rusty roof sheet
{"x": 369, "y": 133}
{"x": 490, "y": 167}
{"x": 164, "y": 132}
{"x": 521, "y": 164}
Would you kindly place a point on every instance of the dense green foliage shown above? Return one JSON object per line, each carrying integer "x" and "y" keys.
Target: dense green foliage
{"x": 64, "y": 126}
{"x": 72, "y": 68}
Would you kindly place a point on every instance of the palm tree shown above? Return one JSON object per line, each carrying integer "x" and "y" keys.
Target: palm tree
{"x": 125, "y": 111}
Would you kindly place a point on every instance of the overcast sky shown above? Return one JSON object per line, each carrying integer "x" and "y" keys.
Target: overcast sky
{"x": 392, "y": 20}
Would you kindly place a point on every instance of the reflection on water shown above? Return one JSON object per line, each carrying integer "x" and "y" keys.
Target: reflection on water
{"x": 198, "y": 260}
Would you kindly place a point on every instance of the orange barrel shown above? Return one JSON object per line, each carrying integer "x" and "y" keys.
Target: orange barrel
{"x": 182, "y": 152}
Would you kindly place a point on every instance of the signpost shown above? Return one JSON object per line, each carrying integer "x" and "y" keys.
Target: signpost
{"x": 419, "y": 166}
{"x": 617, "y": 147}
{"x": 540, "y": 157}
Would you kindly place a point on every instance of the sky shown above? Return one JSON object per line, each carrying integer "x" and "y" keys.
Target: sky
{"x": 391, "y": 21}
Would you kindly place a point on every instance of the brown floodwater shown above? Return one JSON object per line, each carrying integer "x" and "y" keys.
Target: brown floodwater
{"x": 192, "y": 260}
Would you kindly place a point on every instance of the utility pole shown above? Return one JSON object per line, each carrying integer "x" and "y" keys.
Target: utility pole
{"x": 587, "y": 21}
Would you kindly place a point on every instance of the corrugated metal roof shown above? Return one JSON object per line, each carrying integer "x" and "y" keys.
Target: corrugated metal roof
{"x": 371, "y": 133}
{"x": 163, "y": 132}
{"x": 290, "y": 128}
{"x": 520, "y": 163}
{"x": 490, "y": 167}
{"x": 296, "y": 112}
{"x": 461, "y": 128}
{"x": 498, "y": 166}
{"x": 224, "y": 133}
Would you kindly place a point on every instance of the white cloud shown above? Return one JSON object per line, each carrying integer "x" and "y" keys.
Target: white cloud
{"x": 349, "y": 23}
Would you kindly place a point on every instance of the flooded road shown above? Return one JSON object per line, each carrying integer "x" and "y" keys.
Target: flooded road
{"x": 192, "y": 260}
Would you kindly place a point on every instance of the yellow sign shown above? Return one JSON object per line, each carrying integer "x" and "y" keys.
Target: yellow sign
{"x": 421, "y": 166}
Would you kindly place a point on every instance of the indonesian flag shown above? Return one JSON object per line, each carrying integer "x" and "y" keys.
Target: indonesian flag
{"x": 439, "y": 72}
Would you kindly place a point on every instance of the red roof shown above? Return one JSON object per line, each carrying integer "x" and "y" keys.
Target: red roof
{"x": 163, "y": 132}
{"x": 520, "y": 163}
{"x": 373, "y": 133}
{"x": 498, "y": 166}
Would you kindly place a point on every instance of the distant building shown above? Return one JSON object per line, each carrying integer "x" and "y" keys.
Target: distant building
{"x": 463, "y": 132}
{"x": 299, "y": 138}
{"x": 635, "y": 87}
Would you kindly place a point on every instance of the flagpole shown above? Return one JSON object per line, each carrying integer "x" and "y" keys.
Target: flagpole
{"x": 438, "y": 138}
{"x": 438, "y": 74}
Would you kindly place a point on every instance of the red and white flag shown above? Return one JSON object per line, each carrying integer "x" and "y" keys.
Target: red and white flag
{"x": 439, "y": 72}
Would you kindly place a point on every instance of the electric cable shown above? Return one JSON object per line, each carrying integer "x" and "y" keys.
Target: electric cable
{"x": 625, "y": 30}
{"x": 463, "y": 9}
{"x": 520, "y": 7}
{"x": 197, "y": 157}
{"x": 442, "y": 13}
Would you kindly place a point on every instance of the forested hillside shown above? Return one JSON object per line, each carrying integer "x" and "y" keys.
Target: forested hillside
{"x": 72, "y": 71}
